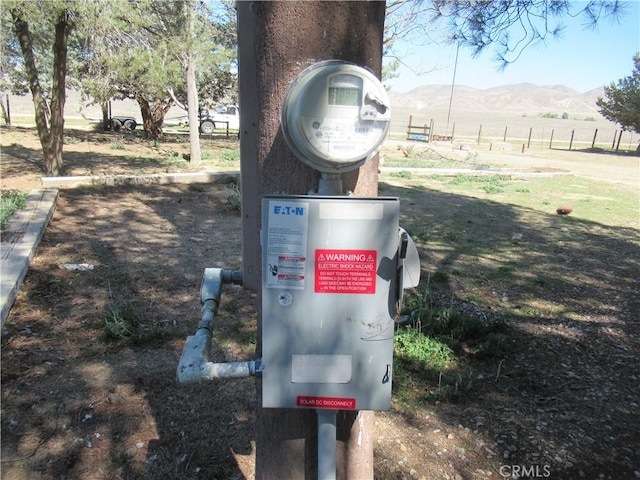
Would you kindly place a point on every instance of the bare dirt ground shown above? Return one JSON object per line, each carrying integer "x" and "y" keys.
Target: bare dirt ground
{"x": 89, "y": 357}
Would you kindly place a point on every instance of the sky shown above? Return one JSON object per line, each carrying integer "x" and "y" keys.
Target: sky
{"x": 583, "y": 59}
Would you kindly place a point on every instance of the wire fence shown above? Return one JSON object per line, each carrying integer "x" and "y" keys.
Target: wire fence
{"x": 555, "y": 136}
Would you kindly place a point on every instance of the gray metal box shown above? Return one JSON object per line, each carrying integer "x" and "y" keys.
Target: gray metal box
{"x": 329, "y": 296}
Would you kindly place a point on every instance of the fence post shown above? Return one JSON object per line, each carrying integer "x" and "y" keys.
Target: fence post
{"x": 529, "y": 140}
{"x": 551, "y": 140}
{"x": 479, "y": 134}
{"x": 571, "y": 141}
{"x": 593, "y": 143}
{"x": 409, "y": 127}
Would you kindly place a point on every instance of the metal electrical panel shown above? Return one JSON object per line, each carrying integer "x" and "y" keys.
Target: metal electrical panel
{"x": 329, "y": 298}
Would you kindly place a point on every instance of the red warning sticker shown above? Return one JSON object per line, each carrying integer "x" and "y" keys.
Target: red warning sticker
{"x": 326, "y": 402}
{"x": 345, "y": 271}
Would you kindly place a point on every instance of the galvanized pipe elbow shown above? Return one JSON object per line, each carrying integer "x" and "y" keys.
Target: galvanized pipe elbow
{"x": 194, "y": 365}
{"x": 195, "y": 355}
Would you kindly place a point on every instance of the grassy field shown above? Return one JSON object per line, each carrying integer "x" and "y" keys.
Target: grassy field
{"x": 484, "y": 237}
{"x": 534, "y": 130}
{"x": 592, "y": 201}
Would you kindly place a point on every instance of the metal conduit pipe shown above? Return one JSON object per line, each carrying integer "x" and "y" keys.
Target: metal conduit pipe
{"x": 194, "y": 365}
{"x": 327, "y": 444}
{"x": 230, "y": 369}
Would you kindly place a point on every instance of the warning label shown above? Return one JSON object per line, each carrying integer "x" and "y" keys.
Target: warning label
{"x": 326, "y": 402}
{"x": 345, "y": 271}
{"x": 285, "y": 271}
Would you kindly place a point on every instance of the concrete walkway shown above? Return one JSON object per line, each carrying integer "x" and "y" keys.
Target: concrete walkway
{"x": 20, "y": 239}
{"x": 142, "y": 179}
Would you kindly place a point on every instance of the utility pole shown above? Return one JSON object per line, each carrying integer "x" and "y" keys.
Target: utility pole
{"x": 276, "y": 41}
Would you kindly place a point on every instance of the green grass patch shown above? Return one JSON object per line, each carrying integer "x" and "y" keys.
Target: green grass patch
{"x": 119, "y": 325}
{"x": 601, "y": 202}
{"x": 420, "y": 352}
{"x": 460, "y": 331}
{"x": 434, "y": 357}
{"x": 490, "y": 184}
{"x": 421, "y": 236}
{"x": 419, "y": 362}
{"x": 197, "y": 188}
{"x": 122, "y": 326}
{"x": 402, "y": 174}
{"x": 70, "y": 140}
{"x": 10, "y": 202}
{"x": 229, "y": 157}
{"x": 531, "y": 312}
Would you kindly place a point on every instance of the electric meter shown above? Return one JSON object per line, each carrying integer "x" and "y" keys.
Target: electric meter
{"x": 335, "y": 116}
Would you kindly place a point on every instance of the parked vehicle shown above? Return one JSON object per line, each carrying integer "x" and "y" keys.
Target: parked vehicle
{"x": 226, "y": 116}
{"x": 202, "y": 116}
{"x": 119, "y": 122}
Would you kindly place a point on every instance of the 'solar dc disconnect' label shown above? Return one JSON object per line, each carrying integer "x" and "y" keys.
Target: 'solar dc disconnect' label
{"x": 326, "y": 402}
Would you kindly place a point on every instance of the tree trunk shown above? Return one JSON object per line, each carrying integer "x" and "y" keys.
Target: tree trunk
{"x": 25, "y": 39}
{"x": 6, "y": 112}
{"x": 51, "y": 136}
{"x": 195, "y": 156}
{"x": 53, "y": 158}
{"x": 106, "y": 115}
{"x": 276, "y": 41}
{"x": 153, "y": 112}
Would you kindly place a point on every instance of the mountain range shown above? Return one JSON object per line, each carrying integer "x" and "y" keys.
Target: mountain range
{"x": 521, "y": 97}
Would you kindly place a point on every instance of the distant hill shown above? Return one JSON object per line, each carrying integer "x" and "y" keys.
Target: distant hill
{"x": 521, "y": 97}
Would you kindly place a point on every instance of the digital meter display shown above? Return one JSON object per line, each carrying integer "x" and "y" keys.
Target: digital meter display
{"x": 344, "y": 96}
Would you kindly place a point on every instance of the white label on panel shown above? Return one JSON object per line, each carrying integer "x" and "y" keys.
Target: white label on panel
{"x": 320, "y": 368}
{"x": 351, "y": 211}
{"x": 287, "y": 244}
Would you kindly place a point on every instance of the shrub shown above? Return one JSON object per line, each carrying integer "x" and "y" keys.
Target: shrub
{"x": 406, "y": 150}
{"x": 10, "y": 202}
